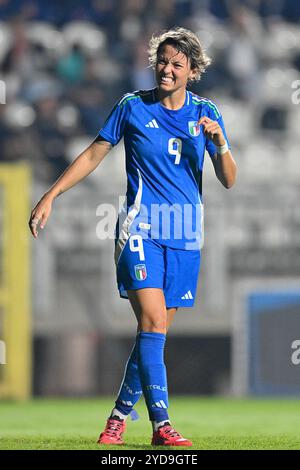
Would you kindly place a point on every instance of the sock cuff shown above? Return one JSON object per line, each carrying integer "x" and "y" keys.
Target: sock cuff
{"x": 152, "y": 335}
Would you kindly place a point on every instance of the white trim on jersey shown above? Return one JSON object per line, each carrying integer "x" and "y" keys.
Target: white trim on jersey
{"x": 202, "y": 222}
{"x": 124, "y": 98}
{"x": 208, "y": 101}
{"x": 152, "y": 123}
{"x": 124, "y": 232}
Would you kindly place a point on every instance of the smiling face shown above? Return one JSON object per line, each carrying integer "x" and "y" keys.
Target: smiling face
{"x": 173, "y": 69}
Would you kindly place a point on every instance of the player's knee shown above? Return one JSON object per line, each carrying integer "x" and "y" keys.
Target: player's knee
{"x": 154, "y": 324}
{"x": 154, "y": 329}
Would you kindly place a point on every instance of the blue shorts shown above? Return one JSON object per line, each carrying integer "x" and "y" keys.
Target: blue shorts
{"x": 146, "y": 263}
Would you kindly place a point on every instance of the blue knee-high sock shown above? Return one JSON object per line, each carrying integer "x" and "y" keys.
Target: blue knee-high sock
{"x": 153, "y": 374}
{"x": 131, "y": 388}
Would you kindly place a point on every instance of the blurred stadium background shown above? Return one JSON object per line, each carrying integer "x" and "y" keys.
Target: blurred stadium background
{"x": 63, "y": 329}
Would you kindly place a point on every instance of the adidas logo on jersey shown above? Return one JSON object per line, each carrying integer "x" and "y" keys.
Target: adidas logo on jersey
{"x": 187, "y": 296}
{"x": 152, "y": 123}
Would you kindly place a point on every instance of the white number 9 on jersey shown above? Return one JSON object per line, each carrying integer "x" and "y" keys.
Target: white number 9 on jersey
{"x": 174, "y": 148}
{"x": 138, "y": 246}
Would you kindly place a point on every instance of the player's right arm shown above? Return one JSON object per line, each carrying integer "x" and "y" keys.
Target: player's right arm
{"x": 81, "y": 167}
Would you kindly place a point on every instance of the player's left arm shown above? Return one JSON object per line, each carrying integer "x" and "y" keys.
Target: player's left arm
{"x": 224, "y": 165}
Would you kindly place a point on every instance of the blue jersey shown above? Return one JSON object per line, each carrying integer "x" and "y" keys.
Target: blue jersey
{"x": 164, "y": 162}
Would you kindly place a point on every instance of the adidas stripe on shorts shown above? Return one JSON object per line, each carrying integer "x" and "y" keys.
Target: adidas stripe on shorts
{"x": 143, "y": 262}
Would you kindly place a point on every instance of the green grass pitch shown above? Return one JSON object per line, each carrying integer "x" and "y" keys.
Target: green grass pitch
{"x": 211, "y": 423}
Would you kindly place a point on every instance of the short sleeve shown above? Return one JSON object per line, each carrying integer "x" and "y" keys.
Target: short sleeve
{"x": 115, "y": 125}
{"x": 215, "y": 114}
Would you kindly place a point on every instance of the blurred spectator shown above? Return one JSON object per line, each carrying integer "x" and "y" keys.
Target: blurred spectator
{"x": 51, "y": 140}
{"x": 70, "y": 67}
{"x": 242, "y": 57}
{"x": 70, "y": 86}
{"x": 142, "y": 76}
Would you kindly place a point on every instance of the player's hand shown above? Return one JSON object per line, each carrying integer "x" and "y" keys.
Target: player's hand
{"x": 39, "y": 215}
{"x": 212, "y": 130}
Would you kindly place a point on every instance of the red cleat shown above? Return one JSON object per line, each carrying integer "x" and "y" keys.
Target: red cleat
{"x": 113, "y": 432}
{"x": 167, "y": 436}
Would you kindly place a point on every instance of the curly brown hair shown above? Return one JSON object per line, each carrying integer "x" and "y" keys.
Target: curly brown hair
{"x": 184, "y": 41}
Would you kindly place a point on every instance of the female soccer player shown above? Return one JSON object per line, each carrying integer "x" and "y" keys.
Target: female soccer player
{"x": 166, "y": 131}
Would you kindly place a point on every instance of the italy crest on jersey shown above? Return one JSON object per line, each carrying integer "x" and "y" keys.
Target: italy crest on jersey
{"x": 140, "y": 272}
{"x": 194, "y": 128}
